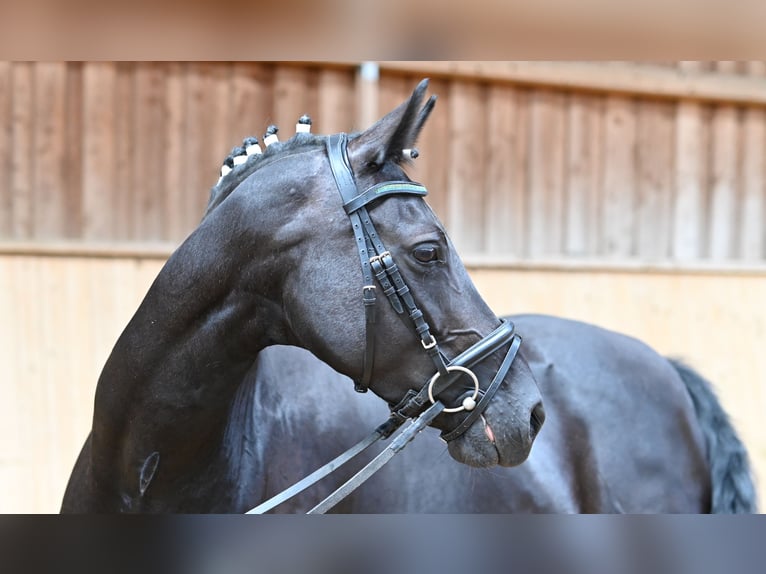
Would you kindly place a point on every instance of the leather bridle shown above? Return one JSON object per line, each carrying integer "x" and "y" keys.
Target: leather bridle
{"x": 423, "y": 405}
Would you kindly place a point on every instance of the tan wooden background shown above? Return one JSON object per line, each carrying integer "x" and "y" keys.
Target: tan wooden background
{"x": 629, "y": 195}
{"x": 53, "y": 350}
{"x": 647, "y": 161}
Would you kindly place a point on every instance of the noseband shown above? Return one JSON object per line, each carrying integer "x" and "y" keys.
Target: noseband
{"x": 377, "y": 260}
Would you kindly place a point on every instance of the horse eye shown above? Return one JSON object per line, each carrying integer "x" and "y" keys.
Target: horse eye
{"x": 426, "y": 254}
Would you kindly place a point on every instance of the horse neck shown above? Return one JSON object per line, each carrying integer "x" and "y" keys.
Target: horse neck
{"x": 169, "y": 382}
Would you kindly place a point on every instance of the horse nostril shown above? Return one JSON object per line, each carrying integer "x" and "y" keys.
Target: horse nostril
{"x": 536, "y": 420}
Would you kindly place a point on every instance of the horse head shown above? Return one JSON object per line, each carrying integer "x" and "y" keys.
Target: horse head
{"x": 343, "y": 254}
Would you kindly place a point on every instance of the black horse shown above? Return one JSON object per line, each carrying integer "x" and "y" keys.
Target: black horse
{"x": 193, "y": 413}
{"x": 627, "y": 431}
{"x": 276, "y": 260}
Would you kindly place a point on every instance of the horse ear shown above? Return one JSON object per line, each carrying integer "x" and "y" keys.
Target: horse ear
{"x": 398, "y": 130}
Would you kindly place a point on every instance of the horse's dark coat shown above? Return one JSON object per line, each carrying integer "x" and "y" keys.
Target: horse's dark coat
{"x": 622, "y": 435}
{"x": 195, "y": 413}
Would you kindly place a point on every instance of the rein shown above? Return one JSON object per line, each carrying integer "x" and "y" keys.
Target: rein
{"x": 423, "y": 406}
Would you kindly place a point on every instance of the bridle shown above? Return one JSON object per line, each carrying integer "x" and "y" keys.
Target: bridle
{"x": 423, "y": 405}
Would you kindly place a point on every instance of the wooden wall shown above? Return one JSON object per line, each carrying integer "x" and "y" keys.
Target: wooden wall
{"x": 53, "y": 347}
{"x": 643, "y": 161}
{"x": 569, "y": 178}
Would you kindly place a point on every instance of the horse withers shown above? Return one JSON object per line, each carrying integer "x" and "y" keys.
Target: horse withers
{"x": 276, "y": 260}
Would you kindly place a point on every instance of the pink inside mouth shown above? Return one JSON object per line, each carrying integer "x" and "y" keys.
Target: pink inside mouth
{"x": 488, "y": 430}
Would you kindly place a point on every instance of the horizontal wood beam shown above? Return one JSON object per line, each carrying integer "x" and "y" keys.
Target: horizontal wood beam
{"x": 119, "y": 249}
{"x": 161, "y": 251}
{"x": 643, "y": 80}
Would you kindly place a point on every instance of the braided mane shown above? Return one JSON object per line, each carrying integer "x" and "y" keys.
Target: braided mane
{"x": 300, "y": 142}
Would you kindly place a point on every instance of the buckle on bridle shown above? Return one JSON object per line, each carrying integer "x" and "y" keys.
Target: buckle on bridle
{"x": 368, "y": 293}
{"x": 430, "y": 345}
{"x": 375, "y": 258}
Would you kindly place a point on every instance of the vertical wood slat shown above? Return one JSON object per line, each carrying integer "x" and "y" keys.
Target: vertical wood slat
{"x": 618, "y": 210}
{"x": 654, "y": 179}
{"x": 252, "y": 99}
{"x": 546, "y": 174}
{"x": 392, "y": 91}
{"x": 724, "y": 184}
{"x": 724, "y": 132}
{"x": 367, "y": 97}
{"x": 22, "y": 150}
{"x": 335, "y": 102}
{"x": 466, "y": 187}
{"x": 583, "y": 168}
{"x": 125, "y": 181}
{"x": 290, "y": 99}
{"x": 99, "y": 154}
{"x": 434, "y": 142}
{"x": 72, "y": 158}
{"x": 48, "y": 181}
{"x": 149, "y": 158}
{"x": 501, "y": 219}
{"x": 753, "y": 204}
{"x": 174, "y": 190}
{"x": 207, "y": 138}
{"x": 689, "y": 210}
{"x": 6, "y": 145}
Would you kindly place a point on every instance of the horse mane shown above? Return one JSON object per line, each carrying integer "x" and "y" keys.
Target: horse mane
{"x": 299, "y": 143}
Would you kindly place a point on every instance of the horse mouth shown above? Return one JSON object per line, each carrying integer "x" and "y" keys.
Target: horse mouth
{"x": 486, "y": 444}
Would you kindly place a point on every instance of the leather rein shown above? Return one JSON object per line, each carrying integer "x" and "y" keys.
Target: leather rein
{"x": 423, "y": 406}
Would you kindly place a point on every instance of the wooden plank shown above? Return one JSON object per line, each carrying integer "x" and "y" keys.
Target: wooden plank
{"x": 616, "y": 78}
{"x": 466, "y": 192}
{"x": 223, "y": 136}
{"x": 335, "y": 106}
{"x": 252, "y": 98}
{"x": 149, "y": 157}
{"x": 290, "y": 100}
{"x": 125, "y": 180}
{"x": 48, "y": 176}
{"x": 753, "y": 178}
{"x": 689, "y": 211}
{"x": 723, "y": 216}
{"x": 73, "y": 157}
{"x": 501, "y": 169}
{"x": 99, "y": 122}
{"x": 618, "y": 193}
{"x": 174, "y": 192}
{"x": 207, "y": 134}
{"x": 6, "y": 146}
{"x": 431, "y": 167}
{"x": 367, "y": 95}
{"x": 22, "y": 158}
{"x": 655, "y": 177}
{"x": 583, "y": 168}
{"x": 546, "y": 174}
{"x": 393, "y": 89}
{"x": 311, "y": 98}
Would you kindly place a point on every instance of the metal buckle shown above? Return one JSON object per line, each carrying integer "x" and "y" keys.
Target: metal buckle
{"x": 375, "y": 258}
{"x": 430, "y": 345}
